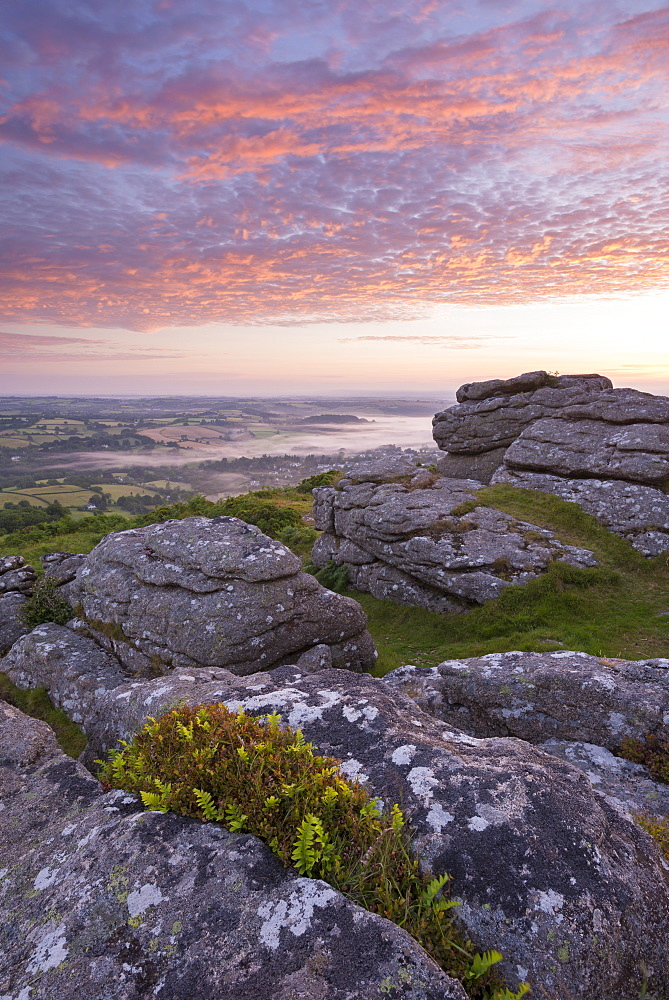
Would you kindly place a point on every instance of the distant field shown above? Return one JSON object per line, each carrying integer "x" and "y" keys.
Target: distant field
{"x": 42, "y": 496}
{"x": 165, "y": 484}
{"x": 116, "y": 490}
{"x": 13, "y": 442}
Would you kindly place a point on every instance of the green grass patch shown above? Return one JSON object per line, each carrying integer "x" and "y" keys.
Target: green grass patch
{"x": 610, "y": 610}
{"x": 36, "y": 703}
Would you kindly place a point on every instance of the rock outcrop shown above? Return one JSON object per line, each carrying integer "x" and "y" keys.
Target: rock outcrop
{"x": 210, "y": 592}
{"x": 104, "y": 901}
{"x": 543, "y": 696}
{"x": 16, "y": 575}
{"x": 72, "y": 668}
{"x": 12, "y": 626}
{"x": 573, "y": 435}
{"x": 544, "y": 868}
{"x": 407, "y": 535}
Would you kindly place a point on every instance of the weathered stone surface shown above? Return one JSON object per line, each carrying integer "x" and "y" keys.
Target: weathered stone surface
{"x": 492, "y": 414}
{"x": 637, "y": 452}
{"x": 638, "y": 513}
{"x": 12, "y": 626}
{"x": 540, "y": 696}
{"x": 414, "y": 544}
{"x": 573, "y": 893}
{"x": 101, "y": 900}
{"x": 211, "y": 592}
{"x": 72, "y": 668}
{"x": 16, "y": 575}
{"x": 62, "y": 567}
{"x": 628, "y": 787}
{"x": 479, "y": 467}
{"x": 573, "y": 425}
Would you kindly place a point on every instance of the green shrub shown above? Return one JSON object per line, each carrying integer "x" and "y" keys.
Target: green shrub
{"x": 269, "y": 517}
{"x": 298, "y": 539}
{"x": 652, "y": 751}
{"x": 657, "y": 828}
{"x": 46, "y": 605}
{"x": 328, "y": 478}
{"x": 331, "y": 576}
{"x": 256, "y": 777}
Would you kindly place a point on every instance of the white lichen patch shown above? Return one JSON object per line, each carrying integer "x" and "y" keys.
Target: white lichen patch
{"x": 477, "y": 824}
{"x": 422, "y": 780}
{"x": 438, "y": 817}
{"x": 353, "y": 769}
{"x": 550, "y": 902}
{"x": 141, "y": 899}
{"x": 45, "y": 878}
{"x": 293, "y": 914}
{"x": 49, "y": 953}
{"x": 367, "y": 712}
{"x": 403, "y": 754}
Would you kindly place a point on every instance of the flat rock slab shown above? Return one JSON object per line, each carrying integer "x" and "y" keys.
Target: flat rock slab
{"x": 539, "y": 696}
{"x": 638, "y": 513}
{"x": 572, "y": 893}
{"x": 211, "y": 592}
{"x": 492, "y": 414}
{"x": 589, "y": 447}
{"x": 421, "y": 539}
{"x": 101, "y": 900}
{"x": 626, "y": 786}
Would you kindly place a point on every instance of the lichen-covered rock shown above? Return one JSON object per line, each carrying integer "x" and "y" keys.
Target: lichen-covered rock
{"x": 72, "y": 668}
{"x": 12, "y": 625}
{"x": 569, "y": 446}
{"x": 626, "y": 786}
{"x": 62, "y": 567}
{"x": 572, "y": 425}
{"x": 100, "y": 900}
{"x": 573, "y": 893}
{"x": 492, "y": 414}
{"x": 211, "y": 592}
{"x": 539, "y": 696}
{"x": 638, "y": 513}
{"x": 428, "y": 543}
{"x": 16, "y": 575}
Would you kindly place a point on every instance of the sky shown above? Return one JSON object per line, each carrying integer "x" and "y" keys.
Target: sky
{"x": 329, "y": 196}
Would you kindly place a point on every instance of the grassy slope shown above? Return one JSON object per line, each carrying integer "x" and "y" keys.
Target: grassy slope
{"x": 611, "y": 610}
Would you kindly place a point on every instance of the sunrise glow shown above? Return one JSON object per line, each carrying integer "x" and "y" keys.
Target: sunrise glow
{"x": 235, "y": 196}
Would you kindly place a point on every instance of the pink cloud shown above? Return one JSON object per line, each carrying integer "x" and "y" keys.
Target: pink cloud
{"x": 347, "y": 163}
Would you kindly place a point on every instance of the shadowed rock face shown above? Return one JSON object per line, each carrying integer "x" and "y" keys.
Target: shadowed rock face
{"x": 211, "y": 592}
{"x": 571, "y": 891}
{"x": 100, "y": 900}
{"x": 12, "y": 626}
{"x": 413, "y": 537}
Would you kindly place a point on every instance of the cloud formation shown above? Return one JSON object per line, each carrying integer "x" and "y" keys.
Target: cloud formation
{"x": 175, "y": 163}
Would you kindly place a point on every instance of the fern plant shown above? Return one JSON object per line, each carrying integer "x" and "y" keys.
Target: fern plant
{"x": 256, "y": 776}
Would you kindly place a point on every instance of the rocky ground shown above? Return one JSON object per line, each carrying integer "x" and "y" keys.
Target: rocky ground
{"x": 507, "y": 765}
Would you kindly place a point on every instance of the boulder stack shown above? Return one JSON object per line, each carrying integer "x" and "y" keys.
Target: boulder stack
{"x": 572, "y": 435}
